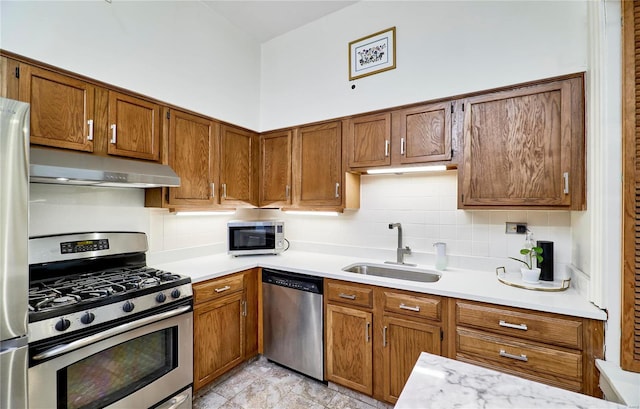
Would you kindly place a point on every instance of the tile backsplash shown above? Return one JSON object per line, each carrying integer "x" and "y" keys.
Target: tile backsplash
{"x": 425, "y": 205}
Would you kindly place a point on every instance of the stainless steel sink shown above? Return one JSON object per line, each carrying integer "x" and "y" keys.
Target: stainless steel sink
{"x": 392, "y": 271}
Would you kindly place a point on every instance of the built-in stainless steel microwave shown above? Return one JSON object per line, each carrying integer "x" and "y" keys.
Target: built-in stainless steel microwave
{"x": 248, "y": 237}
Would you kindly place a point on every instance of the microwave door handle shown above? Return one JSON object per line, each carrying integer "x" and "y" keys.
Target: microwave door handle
{"x": 72, "y": 346}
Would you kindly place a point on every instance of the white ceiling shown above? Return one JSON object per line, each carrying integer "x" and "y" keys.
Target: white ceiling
{"x": 266, "y": 19}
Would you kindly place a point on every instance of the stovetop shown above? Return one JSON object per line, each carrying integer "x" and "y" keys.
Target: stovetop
{"x": 47, "y": 298}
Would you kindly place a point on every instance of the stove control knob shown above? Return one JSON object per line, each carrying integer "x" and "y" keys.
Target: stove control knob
{"x": 87, "y": 318}
{"x": 63, "y": 324}
{"x": 175, "y": 293}
{"x": 128, "y": 306}
{"x": 161, "y": 297}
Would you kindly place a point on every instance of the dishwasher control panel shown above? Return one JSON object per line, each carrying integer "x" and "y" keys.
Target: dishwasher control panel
{"x": 292, "y": 280}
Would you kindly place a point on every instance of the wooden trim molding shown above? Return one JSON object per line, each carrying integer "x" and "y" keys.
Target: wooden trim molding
{"x": 630, "y": 320}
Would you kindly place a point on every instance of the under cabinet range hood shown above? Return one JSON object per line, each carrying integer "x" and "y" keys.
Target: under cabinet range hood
{"x": 75, "y": 168}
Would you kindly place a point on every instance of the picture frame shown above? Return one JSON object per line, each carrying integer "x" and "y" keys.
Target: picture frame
{"x": 372, "y": 54}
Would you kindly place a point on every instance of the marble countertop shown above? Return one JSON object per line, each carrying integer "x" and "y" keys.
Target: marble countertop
{"x": 438, "y": 382}
{"x": 457, "y": 283}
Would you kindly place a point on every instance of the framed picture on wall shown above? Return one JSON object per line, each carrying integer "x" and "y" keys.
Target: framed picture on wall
{"x": 372, "y": 54}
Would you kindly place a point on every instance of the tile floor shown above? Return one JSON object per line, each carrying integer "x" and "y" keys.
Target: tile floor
{"x": 260, "y": 384}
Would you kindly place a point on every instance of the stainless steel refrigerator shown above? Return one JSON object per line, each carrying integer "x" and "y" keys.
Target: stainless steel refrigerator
{"x": 14, "y": 262}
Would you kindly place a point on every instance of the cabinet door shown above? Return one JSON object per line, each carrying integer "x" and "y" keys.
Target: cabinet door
{"x": 191, "y": 141}
{"x": 275, "y": 168}
{"x": 218, "y": 338}
{"x": 424, "y": 133}
{"x": 348, "y": 349}
{"x": 134, "y": 127}
{"x": 9, "y": 78}
{"x": 525, "y": 147}
{"x": 402, "y": 342}
{"x": 62, "y": 109}
{"x": 318, "y": 165}
{"x": 236, "y": 170}
{"x": 369, "y": 140}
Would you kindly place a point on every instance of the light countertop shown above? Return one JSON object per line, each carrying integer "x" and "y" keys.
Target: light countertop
{"x": 457, "y": 283}
{"x": 438, "y": 382}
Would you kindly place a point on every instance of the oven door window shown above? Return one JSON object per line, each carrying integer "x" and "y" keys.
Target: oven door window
{"x": 252, "y": 238}
{"x": 111, "y": 374}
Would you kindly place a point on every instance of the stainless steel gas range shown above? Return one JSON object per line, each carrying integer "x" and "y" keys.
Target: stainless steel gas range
{"x": 106, "y": 330}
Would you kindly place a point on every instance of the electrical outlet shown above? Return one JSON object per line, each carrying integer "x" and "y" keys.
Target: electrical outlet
{"x": 516, "y": 228}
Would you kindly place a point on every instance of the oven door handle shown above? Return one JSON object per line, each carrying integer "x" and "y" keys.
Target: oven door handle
{"x": 72, "y": 346}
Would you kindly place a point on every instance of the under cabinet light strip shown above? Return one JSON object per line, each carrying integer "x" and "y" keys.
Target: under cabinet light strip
{"x": 205, "y": 213}
{"x": 434, "y": 168}
{"x": 311, "y": 213}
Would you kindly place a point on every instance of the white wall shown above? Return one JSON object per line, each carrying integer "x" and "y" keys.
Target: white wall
{"x": 180, "y": 52}
{"x": 444, "y": 48}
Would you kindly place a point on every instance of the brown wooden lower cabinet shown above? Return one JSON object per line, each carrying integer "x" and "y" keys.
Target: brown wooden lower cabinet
{"x": 374, "y": 336}
{"x": 219, "y": 338}
{"x": 550, "y": 348}
{"x": 348, "y": 348}
{"x": 403, "y": 341}
{"x": 225, "y": 324}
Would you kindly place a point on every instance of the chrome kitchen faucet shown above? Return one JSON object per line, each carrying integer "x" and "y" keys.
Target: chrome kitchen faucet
{"x": 401, "y": 251}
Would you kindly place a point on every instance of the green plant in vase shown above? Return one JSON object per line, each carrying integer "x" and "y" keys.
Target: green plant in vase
{"x": 530, "y": 274}
{"x": 529, "y": 254}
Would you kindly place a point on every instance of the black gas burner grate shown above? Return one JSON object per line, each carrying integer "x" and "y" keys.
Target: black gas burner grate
{"x": 63, "y": 291}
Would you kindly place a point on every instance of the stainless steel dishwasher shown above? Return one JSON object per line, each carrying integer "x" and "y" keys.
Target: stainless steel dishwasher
{"x": 293, "y": 321}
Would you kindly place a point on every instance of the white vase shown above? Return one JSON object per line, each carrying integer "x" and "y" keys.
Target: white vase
{"x": 531, "y": 276}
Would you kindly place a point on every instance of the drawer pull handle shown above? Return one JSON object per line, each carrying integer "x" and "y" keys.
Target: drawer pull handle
{"x": 347, "y": 296}
{"x": 384, "y": 336}
{"x": 521, "y": 357}
{"x": 225, "y": 288}
{"x": 406, "y": 307}
{"x": 522, "y": 327}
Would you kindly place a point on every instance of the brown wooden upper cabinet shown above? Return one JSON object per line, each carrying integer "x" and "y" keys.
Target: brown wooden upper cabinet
{"x": 191, "y": 145}
{"x": 238, "y": 180}
{"x": 317, "y": 166}
{"x": 524, "y": 148}
{"x": 134, "y": 127}
{"x": 275, "y": 168}
{"x": 413, "y": 135}
{"x": 62, "y": 109}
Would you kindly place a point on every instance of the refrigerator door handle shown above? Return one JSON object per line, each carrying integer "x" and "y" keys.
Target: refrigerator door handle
{"x": 13, "y": 366}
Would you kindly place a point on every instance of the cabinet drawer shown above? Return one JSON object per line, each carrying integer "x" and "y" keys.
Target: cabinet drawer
{"x": 210, "y": 290}
{"x": 350, "y": 294}
{"x": 537, "y": 326}
{"x": 518, "y": 356}
{"x": 417, "y": 306}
